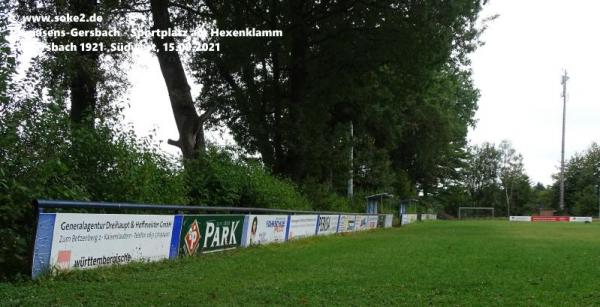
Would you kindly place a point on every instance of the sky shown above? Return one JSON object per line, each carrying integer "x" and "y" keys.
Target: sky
{"x": 517, "y": 71}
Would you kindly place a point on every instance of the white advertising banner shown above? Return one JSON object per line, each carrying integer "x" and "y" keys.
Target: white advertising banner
{"x": 264, "y": 229}
{"x": 347, "y": 223}
{"x": 361, "y": 222}
{"x": 520, "y": 218}
{"x": 409, "y": 218}
{"x": 581, "y": 219}
{"x": 404, "y": 219}
{"x": 91, "y": 240}
{"x": 328, "y": 224}
{"x": 302, "y": 226}
{"x": 426, "y": 216}
{"x": 372, "y": 221}
{"x": 389, "y": 218}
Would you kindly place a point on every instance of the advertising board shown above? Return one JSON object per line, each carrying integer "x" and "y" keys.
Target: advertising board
{"x": 409, "y": 218}
{"x": 541, "y": 218}
{"x": 381, "y": 221}
{"x": 428, "y": 216}
{"x": 360, "y": 223}
{"x": 520, "y": 218}
{"x": 210, "y": 233}
{"x": 327, "y": 224}
{"x": 264, "y": 229}
{"x": 76, "y": 240}
{"x": 302, "y": 226}
{"x": 372, "y": 221}
{"x": 347, "y": 223}
{"x": 389, "y": 219}
{"x": 580, "y": 219}
{"x": 404, "y": 220}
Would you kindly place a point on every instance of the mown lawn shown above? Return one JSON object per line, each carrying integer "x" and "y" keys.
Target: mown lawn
{"x": 441, "y": 263}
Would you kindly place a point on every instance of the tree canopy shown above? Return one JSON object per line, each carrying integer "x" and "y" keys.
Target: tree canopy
{"x": 397, "y": 70}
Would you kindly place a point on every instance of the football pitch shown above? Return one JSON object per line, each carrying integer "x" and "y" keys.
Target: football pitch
{"x": 462, "y": 263}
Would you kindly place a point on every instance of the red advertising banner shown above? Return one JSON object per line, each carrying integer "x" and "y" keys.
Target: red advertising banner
{"x": 540, "y": 218}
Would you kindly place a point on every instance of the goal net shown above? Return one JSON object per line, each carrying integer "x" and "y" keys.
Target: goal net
{"x": 475, "y": 212}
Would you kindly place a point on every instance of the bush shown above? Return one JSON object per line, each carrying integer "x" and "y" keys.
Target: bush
{"x": 41, "y": 157}
{"x": 219, "y": 179}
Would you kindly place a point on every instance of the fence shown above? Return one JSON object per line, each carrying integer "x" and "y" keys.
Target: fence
{"x": 86, "y": 240}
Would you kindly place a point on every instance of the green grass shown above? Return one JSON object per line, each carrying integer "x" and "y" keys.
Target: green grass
{"x": 440, "y": 263}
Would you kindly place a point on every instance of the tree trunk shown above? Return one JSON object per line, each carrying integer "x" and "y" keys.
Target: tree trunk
{"x": 189, "y": 123}
{"x": 295, "y": 164}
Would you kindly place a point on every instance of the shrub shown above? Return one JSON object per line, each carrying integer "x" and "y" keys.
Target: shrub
{"x": 219, "y": 179}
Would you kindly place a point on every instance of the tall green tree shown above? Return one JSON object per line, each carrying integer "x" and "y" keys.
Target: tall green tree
{"x": 494, "y": 176}
{"x": 393, "y": 68}
{"x": 582, "y": 179}
{"x": 481, "y": 174}
{"x": 511, "y": 171}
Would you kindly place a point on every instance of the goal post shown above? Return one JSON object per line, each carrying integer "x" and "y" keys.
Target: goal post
{"x": 462, "y": 211}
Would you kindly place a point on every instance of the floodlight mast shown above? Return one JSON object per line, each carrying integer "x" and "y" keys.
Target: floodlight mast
{"x": 564, "y": 80}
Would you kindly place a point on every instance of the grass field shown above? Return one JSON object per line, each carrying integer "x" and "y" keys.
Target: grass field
{"x": 439, "y": 263}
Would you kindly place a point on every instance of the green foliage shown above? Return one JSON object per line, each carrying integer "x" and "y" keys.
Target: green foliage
{"x": 7, "y": 57}
{"x": 109, "y": 165}
{"x": 39, "y": 161}
{"x": 582, "y": 179}
{"x": 395, "y": 69}
{"x": 323, "y": 198}
{"x": 219, "y": 179}
{"x": 491, "y": 176}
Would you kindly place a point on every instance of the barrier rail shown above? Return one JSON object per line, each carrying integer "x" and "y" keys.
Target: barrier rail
{"x": 71, "y": 204}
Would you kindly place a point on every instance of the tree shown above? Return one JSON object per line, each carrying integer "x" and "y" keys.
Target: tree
{"x": 189, "y": 124}
{"x": 8, "y": 60}
{"x": 494, "y": 175}
{"x": 481, "y": 173}
{"x": 582, "y": 177}
{"x": 390, "y": 67}
{"x": 78, "y": 74}
{"x": 511, "y": 170}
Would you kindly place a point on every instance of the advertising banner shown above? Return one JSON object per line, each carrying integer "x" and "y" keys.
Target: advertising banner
{"x": 381, "y": 221}
{"x": 77, "y": 240}
{"x": 372, "y": 221}
{"x": 404, "y": 219}
{"x": 581, "y": 219}
{"x": 409, "y": 218}
{"x": 264, "y": 229}
{"x": 210, "y": 233}
{"x": 302, "y": 226}
{"x": 541, "y": 218}
{"x": 427, "y": 216}
{"x": 520, "y": 219}
{"x": 347, "y": 223}
{"x": 361, "y": 222}
{"x": 389, "y": 219}
{"x": 327, "y": 224}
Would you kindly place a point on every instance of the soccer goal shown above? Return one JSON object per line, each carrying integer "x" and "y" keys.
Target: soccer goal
{"x": 475, "y": 212}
